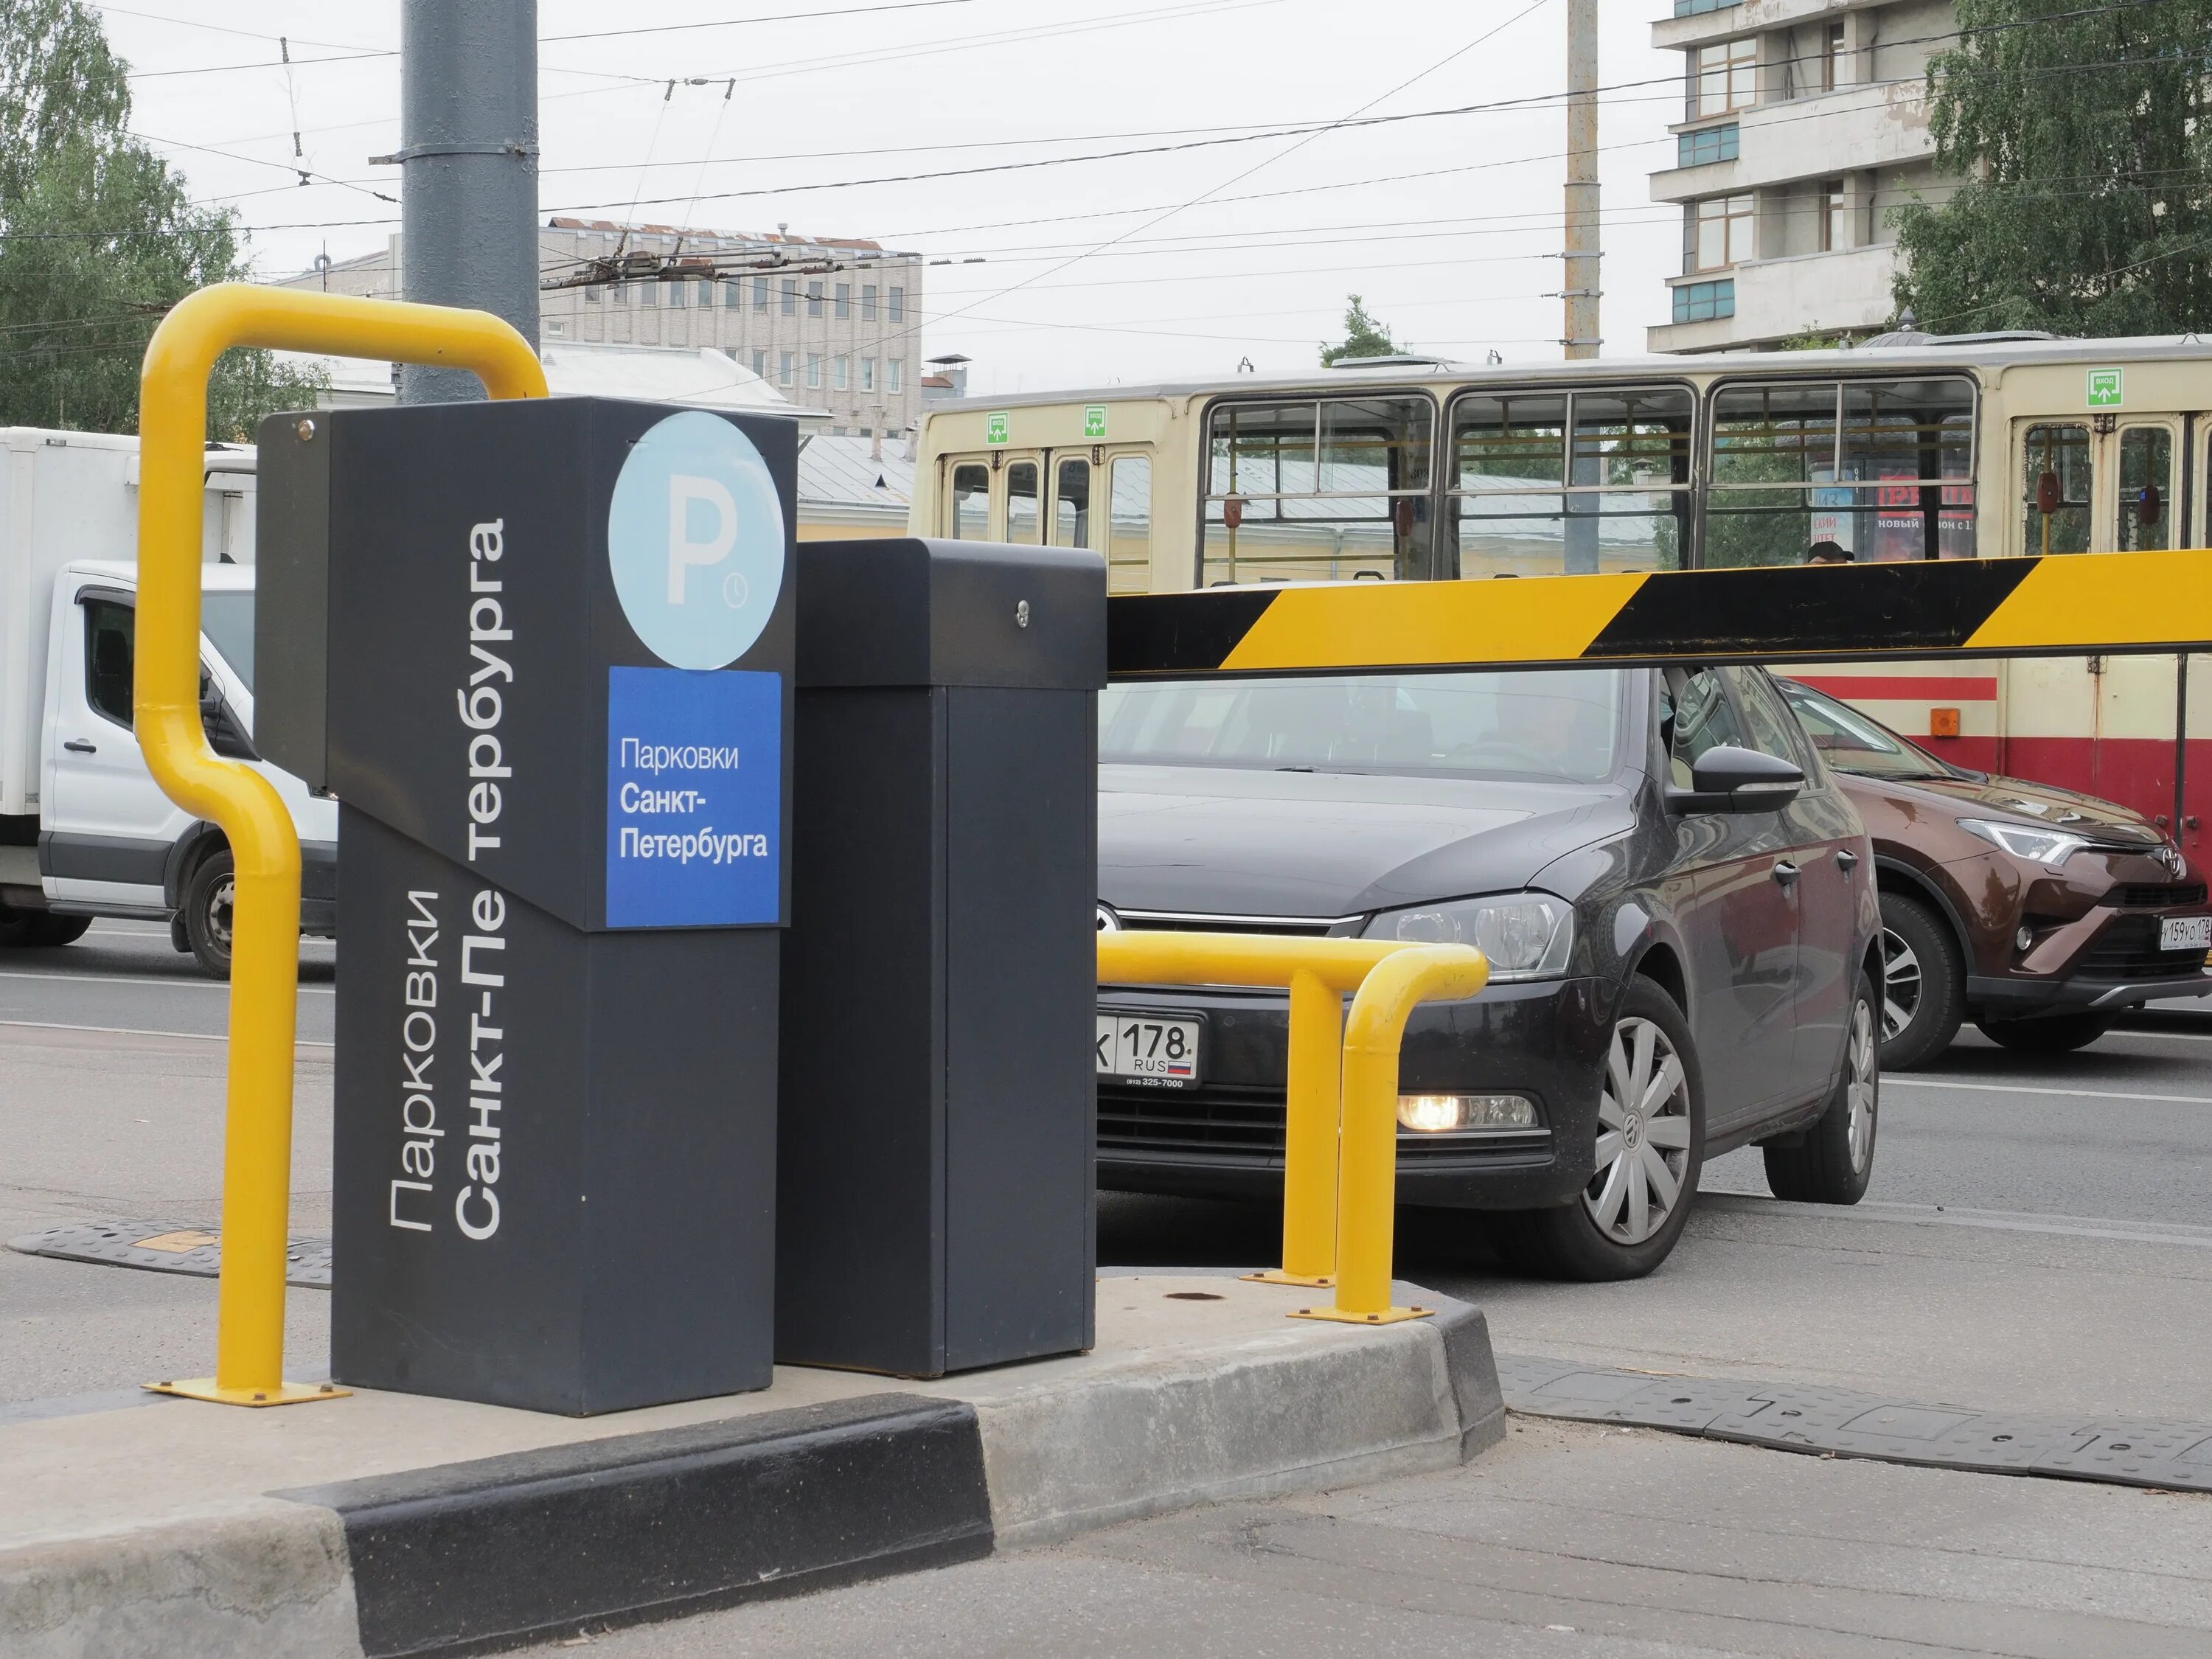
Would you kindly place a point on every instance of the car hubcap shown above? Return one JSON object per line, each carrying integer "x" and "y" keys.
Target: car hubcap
{"x": 218, "y": 911}
{"x": 1861, "y": 1087}
{"x": 1642, "y": 1136}
{"x": 1900, "y": 970}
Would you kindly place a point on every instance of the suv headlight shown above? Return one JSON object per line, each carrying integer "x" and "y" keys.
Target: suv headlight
{"x": 1524, "y": 935}
{"x": 2026, "y": 841}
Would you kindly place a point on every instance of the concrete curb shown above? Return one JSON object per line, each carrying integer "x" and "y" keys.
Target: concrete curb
{"x": 486, "y": 1553}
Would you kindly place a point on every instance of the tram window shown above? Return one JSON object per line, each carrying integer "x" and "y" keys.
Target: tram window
{"x": 1022, "y": 525}
{"x": 1129, "y": 525}
{"x": 2147, "y": 495}
{"x": 1884, "y": 468}
{"x": 971, "y": 503}
{"x": 1526, "y": 500}
{"x": 1321, "y": 488}
{"x": 1070, "y": 504}
{"x": 2055, "y": 488}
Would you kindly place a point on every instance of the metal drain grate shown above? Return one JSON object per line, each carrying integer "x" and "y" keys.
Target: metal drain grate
{"x": 2173, "y": 1455}
{"x": 163, "y": 1247}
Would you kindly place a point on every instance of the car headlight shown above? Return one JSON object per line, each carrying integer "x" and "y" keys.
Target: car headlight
{"x": 1524, "y": 935}
{"x": 2026, "y": 841}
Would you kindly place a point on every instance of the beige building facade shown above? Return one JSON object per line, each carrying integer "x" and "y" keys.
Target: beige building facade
{"x": 1804, "y": 125}
{"x": 837, "y": 330}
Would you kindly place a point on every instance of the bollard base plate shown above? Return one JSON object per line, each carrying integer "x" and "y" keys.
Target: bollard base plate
{"x": 284, "y": 1393}
{"x": 1388, "y": 1316}
{"x": 1279, "y": 1276}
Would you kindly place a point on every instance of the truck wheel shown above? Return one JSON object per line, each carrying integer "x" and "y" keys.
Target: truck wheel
{"x": 208, "y": 897}
{"x": 2054, "y": 1034}
{"x": 1651, "y": 1146}
{"x": 1924, "y": 996}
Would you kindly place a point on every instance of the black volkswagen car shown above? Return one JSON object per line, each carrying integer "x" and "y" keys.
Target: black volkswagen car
{"x": 1676, "y": 899}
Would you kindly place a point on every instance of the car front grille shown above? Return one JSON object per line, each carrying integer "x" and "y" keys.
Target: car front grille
{"x": 1191, "y": 921}
{"x": 2140, "y": 895}
{"x": 1248, "y": 1123}
{"x": 2128, "y": 950}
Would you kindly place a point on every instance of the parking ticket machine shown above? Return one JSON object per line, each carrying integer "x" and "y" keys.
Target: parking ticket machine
{"x": 541, "y": 652}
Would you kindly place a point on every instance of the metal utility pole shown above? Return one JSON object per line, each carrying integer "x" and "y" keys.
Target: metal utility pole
{"x": 468, "y": 156}
{"x": 1582, "y": 339}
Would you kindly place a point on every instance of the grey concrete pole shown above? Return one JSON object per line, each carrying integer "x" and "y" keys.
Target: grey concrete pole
{"x": 1582, "y": 262}
{"x": 467, "y": 134}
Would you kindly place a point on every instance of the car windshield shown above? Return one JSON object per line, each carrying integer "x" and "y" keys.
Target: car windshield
{"x": 1557, "y": 726}
{"x": 1850, "y": 742}
{"x": 227, "y": 619}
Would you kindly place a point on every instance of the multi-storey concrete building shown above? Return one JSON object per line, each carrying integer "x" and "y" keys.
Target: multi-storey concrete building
{"x": 840, "y": 331}
{"x": 1805, "y": 123}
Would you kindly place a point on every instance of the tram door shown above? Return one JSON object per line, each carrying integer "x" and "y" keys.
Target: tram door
{"x": 2114, "y": 726}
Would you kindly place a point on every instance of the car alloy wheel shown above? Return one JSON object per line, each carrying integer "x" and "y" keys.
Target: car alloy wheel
{"x": 1643, "y": 1135}
{"x": 1859, "y": 1086}
{"x": 219, "y": 903}
{"x": 1901, "y": 983}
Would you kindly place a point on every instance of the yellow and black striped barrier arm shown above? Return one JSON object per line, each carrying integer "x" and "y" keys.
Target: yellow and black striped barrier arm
{"x": 2058, "y": 605}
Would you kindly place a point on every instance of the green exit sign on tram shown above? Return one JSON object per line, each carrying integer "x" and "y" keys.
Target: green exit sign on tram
{"x": 2105, "y": 388}
{"x": 995, "y": 428}
{"x": 1094, "y": 421}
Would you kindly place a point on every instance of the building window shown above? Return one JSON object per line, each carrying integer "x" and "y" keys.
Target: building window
{"x": 733, "y": 293}
{"x": 1725, "y": 78}
{"x": 894, "y": 371}
{"x": 814, "y": 369}
{"x": 790, "y": 296}
{"x": 648, "y": 294}
{"x": 867, "y": 302}
{"x": 1705, "y": 302}
{"x": 620, "y": 293}
{"x": 1705, "y": 146}
{"x": 844, "y": 301}
{"x": 839, "y": 370}
{"x": 814, "y": 299}
{"x": 867, "y": 373}
{"x": 760, "y": 293}
{"x": 705, "y": 294}
{"x": 898, "y": 304}
{"x": 760, "y": 364}
{"x": 1832, "y": 58}
{"x": 1835, "y": 216}
{"x": 1720, "y": 231}
{"x": 783, "y": 368}
{"x": 593, "y": 296}
{"x": 676, "y": 293}
{"x": 1692, "y": 8}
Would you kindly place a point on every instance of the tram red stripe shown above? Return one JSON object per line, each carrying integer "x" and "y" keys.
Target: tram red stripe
{"x": 1936, "y": 687}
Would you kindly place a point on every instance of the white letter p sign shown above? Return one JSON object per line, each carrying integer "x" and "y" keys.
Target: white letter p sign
{"x": 683, "y": 551}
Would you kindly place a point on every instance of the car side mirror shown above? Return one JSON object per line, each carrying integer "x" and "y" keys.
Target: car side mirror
{"x": 1727, "y": 779}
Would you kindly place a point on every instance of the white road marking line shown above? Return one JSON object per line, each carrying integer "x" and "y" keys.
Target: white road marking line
{"x": 2087, "y": 1092}
{"x": 147, "y": 979}
{"x": 2003, "y": 1221}
{"x": 137, "y": 1030}
{"x": 2162, "y": 1036}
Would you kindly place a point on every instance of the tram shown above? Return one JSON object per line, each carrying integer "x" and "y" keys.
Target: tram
{"x": 1912, "y": 446}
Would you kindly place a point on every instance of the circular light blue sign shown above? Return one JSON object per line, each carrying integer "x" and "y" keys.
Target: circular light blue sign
{"x": 695, "y": 541}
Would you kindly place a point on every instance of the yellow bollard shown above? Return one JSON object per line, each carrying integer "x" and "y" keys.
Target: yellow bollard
{"x": 1317, "y": 973}
{"x": 249, "y": 1366}
{"x": 1367, "y": 1177}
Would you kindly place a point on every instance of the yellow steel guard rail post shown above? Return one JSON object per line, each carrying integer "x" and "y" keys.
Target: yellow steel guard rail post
{"x": 249, "y": 1367}
{"x": 1368, "y": 1167}
{"x": 1317, "y": 972}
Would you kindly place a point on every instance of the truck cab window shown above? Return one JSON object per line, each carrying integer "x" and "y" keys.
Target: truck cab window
{"x": 110, "y": 638}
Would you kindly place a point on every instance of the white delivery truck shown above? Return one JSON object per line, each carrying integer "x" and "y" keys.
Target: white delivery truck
{"x": 84, "y": 830}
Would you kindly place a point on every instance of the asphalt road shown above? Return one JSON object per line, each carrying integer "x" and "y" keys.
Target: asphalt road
{"x": 126, "y": 976}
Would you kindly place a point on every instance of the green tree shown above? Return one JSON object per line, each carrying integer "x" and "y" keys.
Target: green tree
{"x": 98, "y": 238}
{"x": 1364, "y": 337}
{"x": 2081, "y": 134}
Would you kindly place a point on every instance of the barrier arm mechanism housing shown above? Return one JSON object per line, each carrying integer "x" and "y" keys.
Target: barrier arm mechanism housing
{"x": 265, "y": 846}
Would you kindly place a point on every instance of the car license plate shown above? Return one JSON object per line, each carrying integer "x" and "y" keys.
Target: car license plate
{"x": 1148, "y": 1049}
{"x": 2185, "y": 934}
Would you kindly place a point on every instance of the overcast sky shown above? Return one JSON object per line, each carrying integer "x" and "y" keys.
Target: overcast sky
{"x": 1226, "y": 251}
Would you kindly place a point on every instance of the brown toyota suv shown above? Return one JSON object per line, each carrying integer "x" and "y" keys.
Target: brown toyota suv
{"x": 2034, "y": 912}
